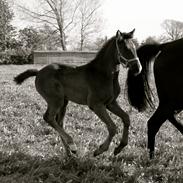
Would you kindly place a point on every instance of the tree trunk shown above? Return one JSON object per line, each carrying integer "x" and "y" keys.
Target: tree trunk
{"x": 62, "y": 39}
{"x": 81, "y": 44}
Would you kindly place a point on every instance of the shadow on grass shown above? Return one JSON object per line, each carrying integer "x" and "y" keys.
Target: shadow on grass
{"x": 126, "y": 168}
{"x": 19, "y": 167}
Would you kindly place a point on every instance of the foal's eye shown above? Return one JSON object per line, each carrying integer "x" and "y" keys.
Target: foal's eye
{"x": 128, "y": 44}
{"x": 121, "y": 42}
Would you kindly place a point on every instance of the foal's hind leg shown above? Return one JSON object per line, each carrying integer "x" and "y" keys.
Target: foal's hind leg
{"x": 60, "y": 120}
{"x": 176, "y": 123}
{"x": 116, "y": 109}
{"x": 50, "y": 117}
{"x": 101, "y": 112}
{"x": 61, "y": 114}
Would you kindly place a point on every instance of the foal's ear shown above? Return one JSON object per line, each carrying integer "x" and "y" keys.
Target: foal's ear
{"x": 130, "y": 34}
{"x": 119, "y": 35}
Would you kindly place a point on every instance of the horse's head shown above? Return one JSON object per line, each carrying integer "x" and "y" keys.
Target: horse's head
{"x": 126, "y": 52}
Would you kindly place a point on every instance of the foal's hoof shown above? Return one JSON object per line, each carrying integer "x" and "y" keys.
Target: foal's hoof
{"x": 96, "y": 153}
{"x": 117, "y": 150}
{"x": 73, "y": 148}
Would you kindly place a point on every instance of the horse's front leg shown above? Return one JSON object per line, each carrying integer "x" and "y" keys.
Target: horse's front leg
{"x": 116, "y": 109}
{"x": 154, "y": 124}
{"x": 101, "y": 112}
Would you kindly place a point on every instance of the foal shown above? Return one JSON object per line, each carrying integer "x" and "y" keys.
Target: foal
{"x": 94, "y": 84}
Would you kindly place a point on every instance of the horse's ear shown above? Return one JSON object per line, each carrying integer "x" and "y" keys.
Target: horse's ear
{"x": 119, "y": 35}
{"x": 130, "y": 34}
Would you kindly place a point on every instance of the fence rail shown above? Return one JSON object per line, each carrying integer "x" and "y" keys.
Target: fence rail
{"x": 65, "y": 57}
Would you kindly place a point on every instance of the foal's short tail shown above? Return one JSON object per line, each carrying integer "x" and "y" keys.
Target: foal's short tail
{"x": 19, "y": 79}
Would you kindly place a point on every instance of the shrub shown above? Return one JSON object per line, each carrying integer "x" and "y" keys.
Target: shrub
{"x": 21, "y": 59}
{"x": 5, "y": 58}
{"x": 16, "y": 58}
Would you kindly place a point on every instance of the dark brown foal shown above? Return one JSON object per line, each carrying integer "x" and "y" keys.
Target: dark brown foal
{"x": 94, "y": 84}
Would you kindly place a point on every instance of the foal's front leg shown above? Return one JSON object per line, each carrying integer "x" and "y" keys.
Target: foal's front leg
{"x": 101, "y": 112}
{"x": 116, "y": 109}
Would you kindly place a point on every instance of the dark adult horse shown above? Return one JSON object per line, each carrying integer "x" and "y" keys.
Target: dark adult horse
{"x": 168, "y": 73}
{"x": 94, "y": 84}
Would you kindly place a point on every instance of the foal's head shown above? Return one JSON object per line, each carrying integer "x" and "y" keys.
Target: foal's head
{"x": 126, "y": 52}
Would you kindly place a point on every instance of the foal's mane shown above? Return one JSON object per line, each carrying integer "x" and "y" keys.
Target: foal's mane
{"x": 104, "y": 49}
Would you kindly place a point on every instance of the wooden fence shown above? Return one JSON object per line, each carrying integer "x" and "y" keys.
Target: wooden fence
{"x": 64, "y": 57}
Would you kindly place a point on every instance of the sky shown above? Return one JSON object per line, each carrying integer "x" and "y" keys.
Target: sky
{"x": 146, "y": 16}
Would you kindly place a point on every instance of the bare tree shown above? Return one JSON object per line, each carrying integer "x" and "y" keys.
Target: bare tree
{"x": 66, "y": 16}
{"x": 89, "y": 20}
{"x": 150, "y": 40}
{"x": 6, "y": 29}
{"x": 173, "y": 30}
{"x": 59, "y": 14}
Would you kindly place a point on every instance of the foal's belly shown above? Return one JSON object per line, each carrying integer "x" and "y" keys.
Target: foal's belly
{"x": 76, "y": 95}
{"x": 75, "y": 89}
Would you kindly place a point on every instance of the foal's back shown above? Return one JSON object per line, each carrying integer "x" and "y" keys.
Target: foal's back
{"x": 62, "y": 82}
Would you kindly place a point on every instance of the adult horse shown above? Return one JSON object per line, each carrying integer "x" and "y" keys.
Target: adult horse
{"x": 168, "y": 74}
{"x": 94, "y": 84}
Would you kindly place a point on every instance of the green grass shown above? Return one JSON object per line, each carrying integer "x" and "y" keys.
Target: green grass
{"x": 31, "y": 151}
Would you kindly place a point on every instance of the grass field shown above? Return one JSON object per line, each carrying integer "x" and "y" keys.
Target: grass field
{"x": 31, "y": 151}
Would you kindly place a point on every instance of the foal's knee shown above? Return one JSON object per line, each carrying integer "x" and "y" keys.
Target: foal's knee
{"x": 48, "y": 119}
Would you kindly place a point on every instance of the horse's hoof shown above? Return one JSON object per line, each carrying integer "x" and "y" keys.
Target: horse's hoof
{"x": 151, "y": 155}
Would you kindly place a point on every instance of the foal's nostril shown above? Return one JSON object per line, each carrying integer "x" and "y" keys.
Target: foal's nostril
{"x": 135, "y": 67}
{"x": 139, "y": 66}
{"x": 139, "y": 69}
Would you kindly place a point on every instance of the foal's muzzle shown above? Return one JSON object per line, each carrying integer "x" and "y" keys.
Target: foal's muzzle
{"x": 135, "y": 66}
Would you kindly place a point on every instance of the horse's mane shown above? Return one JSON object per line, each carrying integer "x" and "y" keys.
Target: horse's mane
{"x": 147, "y": 51}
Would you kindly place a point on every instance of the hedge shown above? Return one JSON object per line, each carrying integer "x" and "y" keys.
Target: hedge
{"x": 15, "y": 59}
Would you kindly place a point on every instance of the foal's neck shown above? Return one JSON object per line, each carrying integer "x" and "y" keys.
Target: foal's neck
{"x": 105, "y": 61}
{"x": 116, "y": 69}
